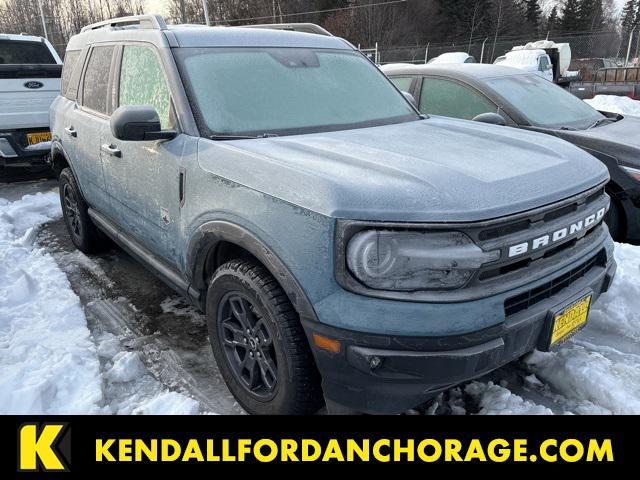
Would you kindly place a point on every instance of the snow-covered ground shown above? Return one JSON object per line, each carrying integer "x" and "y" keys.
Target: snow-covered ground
{"x": 73, "y": 341}
{"x": 49, "y": 361}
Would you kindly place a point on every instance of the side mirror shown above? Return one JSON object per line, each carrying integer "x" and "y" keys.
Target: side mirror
{"x": 410, "y": 97}
{"x": 490, "y": 117}
{"x": 138, "y": 123}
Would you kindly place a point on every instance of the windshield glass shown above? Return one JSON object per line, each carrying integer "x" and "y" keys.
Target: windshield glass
{"x": 257, "y": 91}
{"x": 24, "y": 53}
{"x": 544, "y": 104}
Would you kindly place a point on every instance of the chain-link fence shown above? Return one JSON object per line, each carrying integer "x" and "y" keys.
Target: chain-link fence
{"x": 607, "y": 44}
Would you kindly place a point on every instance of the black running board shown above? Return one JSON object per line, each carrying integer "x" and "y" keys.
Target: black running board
{"x": 149, "y": 260}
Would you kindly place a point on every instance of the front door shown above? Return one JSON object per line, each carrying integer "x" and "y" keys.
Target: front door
{"x": 143, "y": 177}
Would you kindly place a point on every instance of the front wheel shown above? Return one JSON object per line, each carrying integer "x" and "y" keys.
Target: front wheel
{"x": 259, "y": 344}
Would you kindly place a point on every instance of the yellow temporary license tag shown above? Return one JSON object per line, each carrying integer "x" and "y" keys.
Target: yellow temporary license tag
{"x": 570, "y": 320}
{"x": 37, "y": 137}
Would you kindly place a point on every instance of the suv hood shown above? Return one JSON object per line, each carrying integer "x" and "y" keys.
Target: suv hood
{"x": 620, "y": 139}
{"x": 434, "y": 170}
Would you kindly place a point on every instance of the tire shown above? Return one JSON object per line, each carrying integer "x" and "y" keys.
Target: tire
{"x": 84, "y": 234}
{"x": 615, "y": 221}
{"x": 259, "y": 344}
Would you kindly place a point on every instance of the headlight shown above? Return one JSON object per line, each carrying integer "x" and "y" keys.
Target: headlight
{"x": 634, "y": 172}
{"x": 413, "y": 260}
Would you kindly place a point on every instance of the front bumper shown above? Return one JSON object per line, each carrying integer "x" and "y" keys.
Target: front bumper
{"x": 17, "y": 158}
{"x": 375, "y": 373}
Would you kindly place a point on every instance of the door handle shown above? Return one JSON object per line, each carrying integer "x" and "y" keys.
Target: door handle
{"x": 72, "y": 132}
{"x": 111, "y": 150}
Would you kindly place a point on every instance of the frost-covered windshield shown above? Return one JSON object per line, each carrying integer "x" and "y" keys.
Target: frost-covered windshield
{"x": 543, "y": 103}
{"x": 257, "y": 91}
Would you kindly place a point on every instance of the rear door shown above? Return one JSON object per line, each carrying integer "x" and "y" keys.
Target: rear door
{"x": 85, "y": 125}
{"x": 143, "y": 178}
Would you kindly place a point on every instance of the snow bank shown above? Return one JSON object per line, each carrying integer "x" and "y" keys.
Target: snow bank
{"x": 48, "y": 362}
{"x": 599, "y": 370}
{"x": 496, "y": 400}
{"x": 619, "y": 310}
{"x": 615, "y": 104}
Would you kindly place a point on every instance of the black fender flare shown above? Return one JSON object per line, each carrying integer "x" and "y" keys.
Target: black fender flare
{"x": 58, "y": 149}
{"x": 209, "y": 235}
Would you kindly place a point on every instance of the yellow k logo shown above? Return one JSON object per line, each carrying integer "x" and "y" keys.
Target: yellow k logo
{"x": 39, "y": 446}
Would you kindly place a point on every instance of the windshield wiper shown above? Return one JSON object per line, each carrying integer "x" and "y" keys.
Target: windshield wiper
{"x": 597, "y": 123}
{"x": 241, "y": 137}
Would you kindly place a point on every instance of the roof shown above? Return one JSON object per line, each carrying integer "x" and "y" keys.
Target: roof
{"x": 153, "y": 28}
{"x": 20, "y": 38}
{"x": 460, "y": 70}
{"x": 255, "y": 37}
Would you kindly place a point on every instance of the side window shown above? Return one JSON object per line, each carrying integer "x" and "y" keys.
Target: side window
{"x": 142, "y": 82}
{"x": 96, "y": 79}
{"x": 70, "y": 60}
{"x": 450, "y": 99}
{"x": 543, "y": 63}
{"x": 403, "y": 83}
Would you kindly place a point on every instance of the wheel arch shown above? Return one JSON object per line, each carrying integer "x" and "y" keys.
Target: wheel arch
{"x": 60, "y": 160}
{"x": 216, "y": 242}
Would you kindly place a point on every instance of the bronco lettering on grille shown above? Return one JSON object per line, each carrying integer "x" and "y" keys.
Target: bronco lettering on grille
{"x": 557, "y": 235}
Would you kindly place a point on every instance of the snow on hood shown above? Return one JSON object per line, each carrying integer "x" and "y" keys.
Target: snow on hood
{"x": 435, "y": 170}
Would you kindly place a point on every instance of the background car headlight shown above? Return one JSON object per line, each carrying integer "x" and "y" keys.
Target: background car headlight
{"x": 413, "y": 260}
{"x": 634, "y": 172}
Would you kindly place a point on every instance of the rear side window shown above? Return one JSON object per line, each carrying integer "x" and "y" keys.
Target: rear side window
{"x": 24, "y": 53}
{"x": 142, "y": 82}
{"x": 70, "y": 60}
{"x": 450, "y": 99}
{"x": 96, "y": 79}
{"x": 403, "y": 83}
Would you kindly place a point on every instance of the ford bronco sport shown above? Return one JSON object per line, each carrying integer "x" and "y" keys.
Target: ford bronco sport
{"x": 344, "y": 248}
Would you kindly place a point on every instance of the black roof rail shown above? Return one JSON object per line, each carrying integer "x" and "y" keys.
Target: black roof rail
{"x": 153, "y": 22}
{"x": 294, "y": 27}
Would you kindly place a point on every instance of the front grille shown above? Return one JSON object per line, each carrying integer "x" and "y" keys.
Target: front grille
{"x": 527, "y": 299}
{"x": 522, "y": 225}
{"x": 489, "y": 273}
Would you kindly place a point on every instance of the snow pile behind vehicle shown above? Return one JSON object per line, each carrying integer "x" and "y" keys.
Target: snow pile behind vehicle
{"x": 615, "y": 104}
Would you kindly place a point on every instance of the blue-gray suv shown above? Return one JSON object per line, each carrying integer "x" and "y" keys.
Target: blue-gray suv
{"x": 346, "y": 250}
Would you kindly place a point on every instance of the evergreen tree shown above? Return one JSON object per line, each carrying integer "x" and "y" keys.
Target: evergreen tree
{"x": 570, "y": 16}
{"x": 628, "y": 18}
{"x": 590, "y": 15}
{"x": 533, "y": 15}
{"x": 552, "y": 20}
